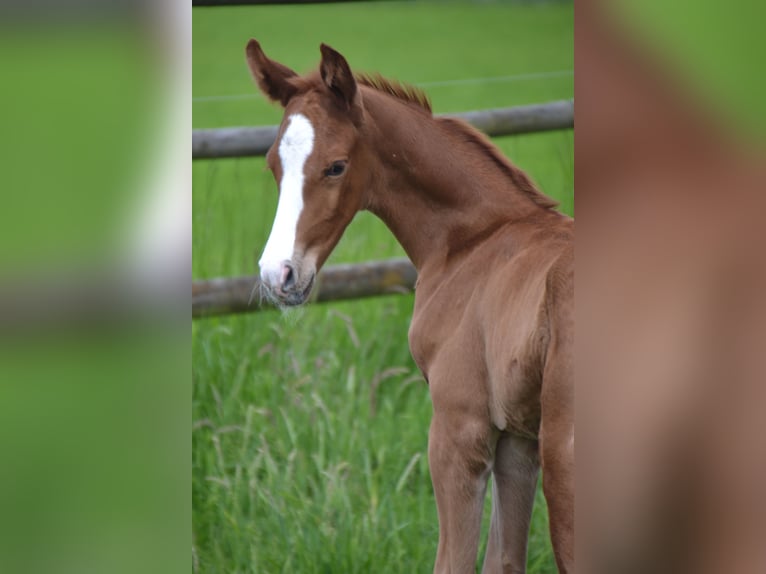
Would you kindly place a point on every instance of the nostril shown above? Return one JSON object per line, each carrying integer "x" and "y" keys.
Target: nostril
{"x": 288, "y": 276}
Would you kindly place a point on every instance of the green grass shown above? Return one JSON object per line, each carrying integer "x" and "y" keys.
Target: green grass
{"x": 310, "y": 428}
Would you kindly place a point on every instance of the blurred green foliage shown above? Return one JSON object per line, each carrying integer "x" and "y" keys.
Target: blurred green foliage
{"x": 92, "y": 454}
{"x": 78, "y": 107}
{"x": 712, "y": 50}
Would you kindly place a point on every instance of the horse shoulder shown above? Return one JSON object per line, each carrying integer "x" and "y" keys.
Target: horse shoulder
{"x": 437, "y": 320}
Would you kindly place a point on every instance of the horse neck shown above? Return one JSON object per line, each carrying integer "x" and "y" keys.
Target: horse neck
{"x": 436, "y": 191}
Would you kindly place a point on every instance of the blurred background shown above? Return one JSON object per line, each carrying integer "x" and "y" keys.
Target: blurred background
{"x": 310, "y": 427}
{"x": 95, "y": 256}
{"x": 670, "y": 279}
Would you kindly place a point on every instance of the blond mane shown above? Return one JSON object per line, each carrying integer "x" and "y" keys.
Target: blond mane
{"x": 405, "y": 92}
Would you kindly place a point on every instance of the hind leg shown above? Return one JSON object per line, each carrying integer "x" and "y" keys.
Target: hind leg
{"x": 513, "y": 493}
{"x": 557, "y": 451}
{"x": 557, "y": 448}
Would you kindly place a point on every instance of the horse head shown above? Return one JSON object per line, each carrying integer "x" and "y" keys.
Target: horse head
{"x": 320, "y": 163}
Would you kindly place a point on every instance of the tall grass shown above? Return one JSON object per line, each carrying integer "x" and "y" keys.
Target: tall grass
{"x": 310, "y": 429}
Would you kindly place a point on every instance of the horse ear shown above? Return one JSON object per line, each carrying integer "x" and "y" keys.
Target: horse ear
{"x": 272, "y": 77}
{"x": 336, "y": 75}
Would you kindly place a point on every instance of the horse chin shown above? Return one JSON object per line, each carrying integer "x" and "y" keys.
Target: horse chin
{"x": 298, "y": 296}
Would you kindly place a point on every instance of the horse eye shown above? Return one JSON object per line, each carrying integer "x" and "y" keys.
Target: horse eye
{"x": 336, "y": 169}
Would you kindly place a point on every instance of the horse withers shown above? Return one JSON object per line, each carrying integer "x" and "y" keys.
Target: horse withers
{"x": 492, "y": 328}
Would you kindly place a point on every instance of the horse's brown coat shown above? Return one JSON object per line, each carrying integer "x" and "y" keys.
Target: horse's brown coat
{"x": 492, "y": 328}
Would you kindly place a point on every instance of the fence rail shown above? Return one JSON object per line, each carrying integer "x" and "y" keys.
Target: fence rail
{"x": 256, "y": 141}
{"x": 229, "y": 295}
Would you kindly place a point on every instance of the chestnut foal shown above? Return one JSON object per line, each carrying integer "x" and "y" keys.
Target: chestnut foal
{"x": 492, "y": 329}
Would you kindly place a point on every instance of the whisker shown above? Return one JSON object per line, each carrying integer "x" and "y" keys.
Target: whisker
{"x": 256, "y": 286}
{"x": 263, "y": 294}
{"x": 266, "y": 295}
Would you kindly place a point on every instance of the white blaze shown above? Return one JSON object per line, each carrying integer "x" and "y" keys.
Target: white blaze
{"x": 294, "y": 149}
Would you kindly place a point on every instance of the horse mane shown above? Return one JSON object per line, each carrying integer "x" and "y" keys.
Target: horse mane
{"x": 405, "y": 92}
{"x": 520, "y": 179}
{"x": 412, "y": 95}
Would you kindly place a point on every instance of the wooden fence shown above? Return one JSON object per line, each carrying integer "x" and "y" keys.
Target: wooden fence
{"x": 256, "y": 141}
{"x": 227, "y": 295}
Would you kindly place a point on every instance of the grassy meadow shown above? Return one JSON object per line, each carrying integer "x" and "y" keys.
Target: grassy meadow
{"x": 310, "y": 427}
